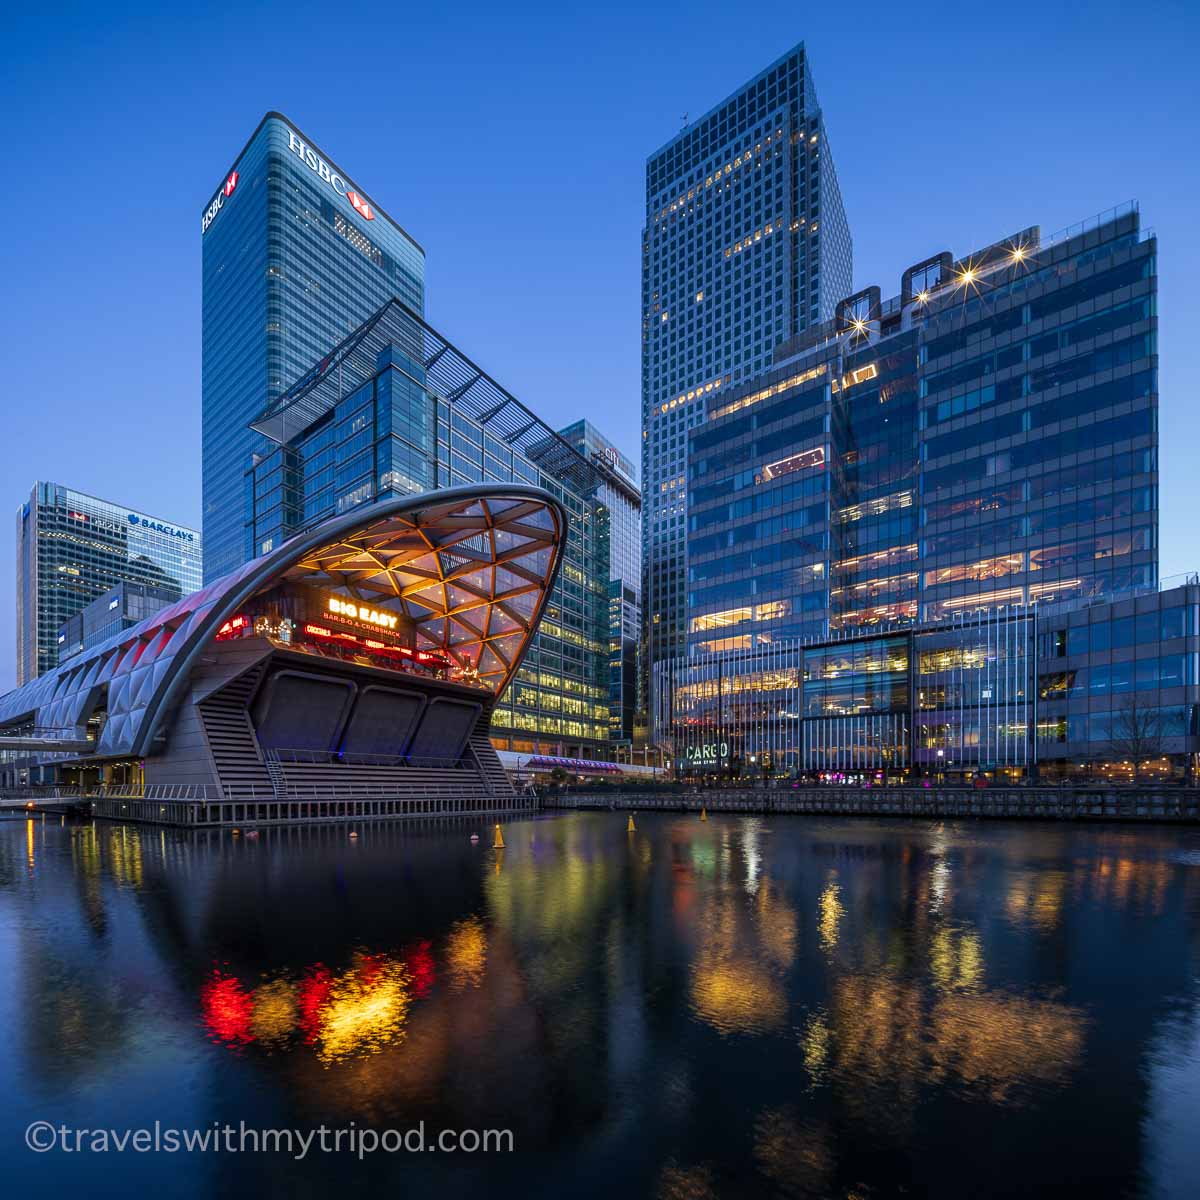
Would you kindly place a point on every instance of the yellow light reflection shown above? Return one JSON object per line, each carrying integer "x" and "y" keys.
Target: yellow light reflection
{"x": 777, "y": 927}
{"x": 1037, "y": 901}
{"x": 997, "y": 1044}
{"x": 830, "y": 911}
{"x": 274, "y": 1011}
{"x": 365, "y": 1010}
{"x": 685, "y": 1183}
{"x": 956, "y": 960}
{"x": 795, "y": 1154}
{"x": 736, "y": 996}
{"x": 466, "y": 954}
{"x": 125, "y": 857}
{"x": 816, "y": 1043}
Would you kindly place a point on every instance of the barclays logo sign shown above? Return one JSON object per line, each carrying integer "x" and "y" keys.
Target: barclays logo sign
{"x": 158, "y": 527}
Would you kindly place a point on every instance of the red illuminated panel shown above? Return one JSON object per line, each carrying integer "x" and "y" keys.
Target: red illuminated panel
{"x": 424, "y": 657}
{"x": 360, "y": 206}
{"x": 232, "y": 628}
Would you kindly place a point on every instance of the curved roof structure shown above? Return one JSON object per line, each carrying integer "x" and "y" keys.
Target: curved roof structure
{"x": 472, "y": 567}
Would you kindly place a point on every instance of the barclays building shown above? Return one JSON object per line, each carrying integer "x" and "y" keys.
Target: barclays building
{"x": 73, "y": 548}
{"x": 295, "y": 255}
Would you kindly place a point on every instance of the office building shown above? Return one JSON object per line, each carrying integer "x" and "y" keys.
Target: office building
{"x": 396, "y": 410}
{"x": 119, "y": 608}
{"x": 72, "y": 548}
{"x": 970, "y": 455}
{"x": 619, "y": 514}
{"x": 296, "y": 255}
{"x": 745, "y": 245}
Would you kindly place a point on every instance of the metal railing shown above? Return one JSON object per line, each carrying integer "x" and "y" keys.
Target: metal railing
{"x": 286, "y": 755}
{"x": 155, "y": 791}
{"x": 377, "y": 791}
{"x": 258, "y": 794}
{"x": 1079, "y": 803}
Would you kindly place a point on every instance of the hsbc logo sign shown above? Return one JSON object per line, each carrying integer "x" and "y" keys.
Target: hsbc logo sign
{"x": 360, "y": 206}
{"x": 218, "y": 202}
{"x": 319, "y": 166}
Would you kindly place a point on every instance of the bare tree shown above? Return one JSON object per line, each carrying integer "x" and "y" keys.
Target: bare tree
{"x": 1136, "y": 733}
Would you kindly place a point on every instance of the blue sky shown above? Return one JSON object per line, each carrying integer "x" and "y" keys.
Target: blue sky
{"x": 510, "y": 140}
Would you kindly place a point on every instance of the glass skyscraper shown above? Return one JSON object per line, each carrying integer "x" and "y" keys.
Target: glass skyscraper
{"x": 619, "y": 510}
{"x": 745, "y": 246}
{"x": 295, "y": 256}
{"x": 72, "y": 547}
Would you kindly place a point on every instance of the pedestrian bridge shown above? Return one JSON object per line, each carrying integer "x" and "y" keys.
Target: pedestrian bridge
{"x": 43, "y": 737}
{"x": 30, "y": 802}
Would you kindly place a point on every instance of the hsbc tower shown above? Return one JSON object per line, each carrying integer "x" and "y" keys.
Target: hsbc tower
{"x": 296, "y": 255}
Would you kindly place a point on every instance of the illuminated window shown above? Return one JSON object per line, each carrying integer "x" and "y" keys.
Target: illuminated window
{"x": 720, "y": 620}
{"x": 859, "y": 375}
{"x": 986, "y": 568}
{"x": 792, "y": 464}
{"x": 874, "y": 507}
{"x": 982, "y": 600}
{"x": 718, "y": 645}
{"x": 767, "y": 393}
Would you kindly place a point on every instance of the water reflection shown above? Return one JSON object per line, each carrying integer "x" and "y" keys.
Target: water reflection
{"x": 353, "y": 1012}
{"x": 740, "y": 1007}
{"x": 466, "y": 954}
{"x": 830, "y": 914}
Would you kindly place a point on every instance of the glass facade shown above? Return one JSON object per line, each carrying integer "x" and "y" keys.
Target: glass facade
{"x": 745, "y": 246}
{"x": 118, "y": 609}
{"x": 1077, "y": 689}
{"x": 986, "y": 440}
{"x": 983, "y": 445}
{"x": 396, "y": 410}
{"x": 1117, "y": 685}
{"x": 972, "y": 693}
{"x": 295, "y": 256}
{"x": 619, "y": 517}
{"x": 72, "y": 548}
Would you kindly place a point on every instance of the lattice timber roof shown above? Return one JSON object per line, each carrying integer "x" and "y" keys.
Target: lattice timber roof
{"x": 470, "y": 572}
